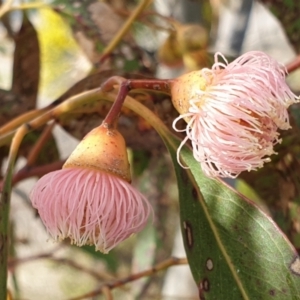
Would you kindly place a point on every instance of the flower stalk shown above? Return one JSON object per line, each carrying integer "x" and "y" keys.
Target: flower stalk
{"x": 125, "y": 86}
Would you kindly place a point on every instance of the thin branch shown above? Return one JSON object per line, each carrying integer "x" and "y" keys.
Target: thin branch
{"x": 124, "y": 29}
{"x": 33, "y": 5}
{"x": 12, "y": 263}
{"x": 18, "y": 121}
{"x": 151, "y": 13}
{"x": 173, "y": 261}
{"x": 37, "y": 171}
{"x": 52, "y": 111}
{"x": 97, "y": 275}
{"x": 8, "y": 6}
{"x": 38, "y": 146}
{"x": 5, "y": 7}
{"x": 107, "y": 293}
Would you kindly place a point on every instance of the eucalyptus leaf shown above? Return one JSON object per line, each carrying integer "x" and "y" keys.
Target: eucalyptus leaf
{"x": 235, "y": 250}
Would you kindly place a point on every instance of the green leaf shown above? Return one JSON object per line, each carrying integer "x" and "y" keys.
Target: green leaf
{"x": 235, "y": 250}
{"x": 141, "y": 159}
{"x": 4, "y": 229}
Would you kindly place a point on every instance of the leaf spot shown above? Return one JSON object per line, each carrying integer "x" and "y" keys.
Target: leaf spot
{"x": 201, "y": 293}
{"x": 188, "y": 233}
{"x": 209, "y": 264}
{"x": 204, "y": 285}
{"x": 272, "y": 292}
{"x": 295, "y": 266}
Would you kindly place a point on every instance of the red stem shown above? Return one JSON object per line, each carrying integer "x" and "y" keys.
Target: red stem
{"x": 294, "y": 65}
{"x": 126, "y": 85}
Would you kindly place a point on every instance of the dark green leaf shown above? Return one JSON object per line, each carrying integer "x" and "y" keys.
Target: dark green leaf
{"x": 141, "y": 159}
{"x": 235, "y": 251}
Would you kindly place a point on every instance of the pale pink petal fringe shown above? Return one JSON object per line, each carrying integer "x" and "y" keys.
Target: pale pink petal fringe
{"x": 89, "y": 207}
{"x": 233, "y": 122}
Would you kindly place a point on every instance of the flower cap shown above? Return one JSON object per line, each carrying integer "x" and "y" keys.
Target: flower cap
{"x": 233, "y": 112}
{"x": 103, "y": 149}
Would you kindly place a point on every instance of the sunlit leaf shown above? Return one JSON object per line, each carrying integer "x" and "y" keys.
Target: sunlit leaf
{"x": 61, "y": 57}
{"x": 235, "y": 251}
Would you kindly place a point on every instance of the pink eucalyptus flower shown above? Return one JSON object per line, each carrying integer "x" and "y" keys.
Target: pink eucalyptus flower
{"x": 89, "y": 207}
{"x": 91, "y": 200}
{"x": 233, "y": 112}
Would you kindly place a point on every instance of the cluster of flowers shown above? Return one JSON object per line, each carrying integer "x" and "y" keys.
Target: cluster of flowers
{"x": 232, "y": 111}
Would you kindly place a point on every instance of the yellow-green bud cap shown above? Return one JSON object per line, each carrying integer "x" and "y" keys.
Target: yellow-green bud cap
{"x": 186, "y": 88}
{"x": 103, "y": 149}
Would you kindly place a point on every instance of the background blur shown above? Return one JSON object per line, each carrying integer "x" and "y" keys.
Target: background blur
{"x": 51, "y": 48}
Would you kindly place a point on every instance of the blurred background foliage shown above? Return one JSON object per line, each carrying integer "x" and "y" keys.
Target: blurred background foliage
{"x": 50, "y": 51}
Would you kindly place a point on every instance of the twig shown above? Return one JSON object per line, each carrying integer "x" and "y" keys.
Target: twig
{"x": 53, "y": 110}
{"x": 49, "y": 255}
{"x": 5, "y": 7}
{"x": 18, "y": 121}
{"x": 124, "y": 29}
{"x": 33, "y": 5}
{"x": 126, "y": 85}
{"x": 173, "y": 261}
{"x": 97, "y": 275}
{"x": 150, "y": 13}
{"x": 107, "y": 293}
{"x": 38, "y": 171}
{"x": 35, "y": 150}
{"x": 12, "y": 263}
